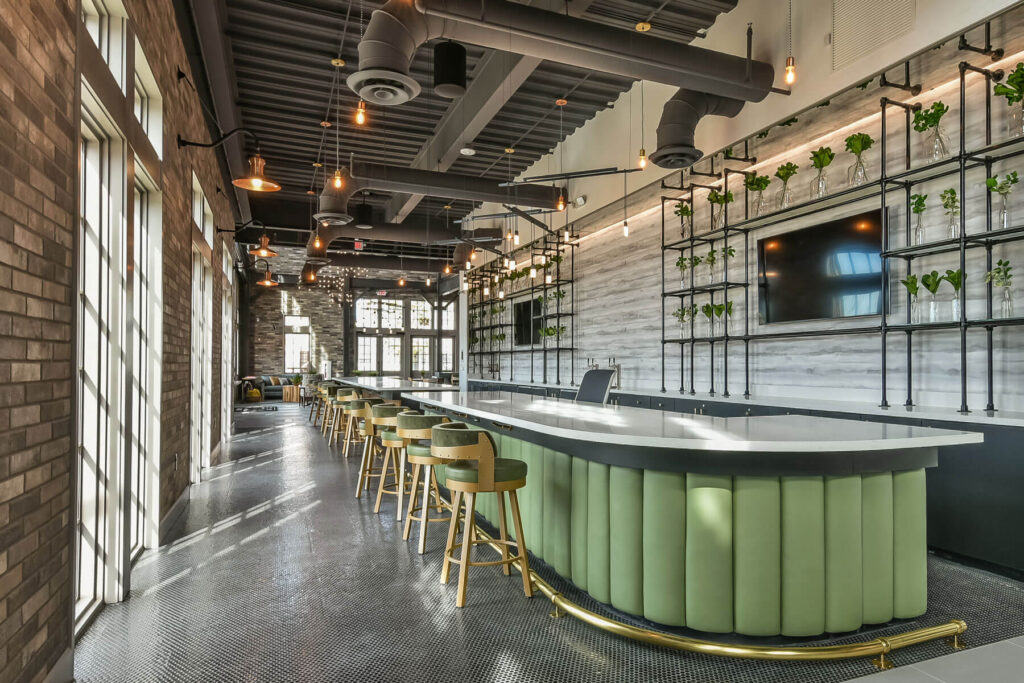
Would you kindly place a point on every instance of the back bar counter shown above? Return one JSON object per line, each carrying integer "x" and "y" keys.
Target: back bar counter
{"x": 774, "y": 525}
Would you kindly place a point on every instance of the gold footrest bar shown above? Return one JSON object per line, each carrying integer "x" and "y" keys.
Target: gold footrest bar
{"x": 493, "y": 542}
{"x": 879, "y": 648}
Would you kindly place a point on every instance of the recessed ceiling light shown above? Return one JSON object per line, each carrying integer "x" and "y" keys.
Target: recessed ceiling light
{"x": 643, "y": 26}
{"x": 510, "y": 150}
{"x": 317, "y": 164}
{"x": 337, "y": 61}
{"x": 561, "y": 102}
{"x": 325, "y": 124}
{"x": 467, "y": 151}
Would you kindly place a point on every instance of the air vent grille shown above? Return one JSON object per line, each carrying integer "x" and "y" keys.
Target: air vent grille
{"x": 860, "y": 26}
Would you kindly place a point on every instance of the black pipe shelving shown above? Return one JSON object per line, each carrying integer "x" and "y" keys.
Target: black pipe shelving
{"x": 899, "y": 182}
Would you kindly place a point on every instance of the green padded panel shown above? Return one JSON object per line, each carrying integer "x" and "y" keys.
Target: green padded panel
{"x": 533, "y": 497}
{"x": 505, "y": 469}
{"x": 557, "y": 513}
{"x": 803, "y": 556}
{"x": 387, "y": 410}
{"x": 664, "y": 543}
{"x": 709, "y": 552}
{"x": 453, "y": 434}
{"x": 414, "y": 420}
{"x": 578, "y": 551}
{"x": 389, "y": 436}
{"x": 876, "y": 525}
{"x": 910, "y": 544}
{"x": 512, "y": 448}
{"x": 843, "y": 554}
{"x": 421, "y": 450}
{"x": 625, "y": 527}
{"x": 598, "y": 546}
{"x": 757, "y": 555}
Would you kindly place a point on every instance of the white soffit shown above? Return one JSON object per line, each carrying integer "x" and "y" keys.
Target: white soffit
{"x": 860, "y": 26}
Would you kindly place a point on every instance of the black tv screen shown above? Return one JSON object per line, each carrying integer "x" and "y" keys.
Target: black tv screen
{"x": 526, "y": 323}
{"x": 832, "y": 270}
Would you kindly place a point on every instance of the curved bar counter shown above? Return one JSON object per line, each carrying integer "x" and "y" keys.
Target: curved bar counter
{"x": 775, "y": 525}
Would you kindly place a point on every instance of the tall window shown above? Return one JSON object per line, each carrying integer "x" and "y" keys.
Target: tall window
{"x": 448, "y": 317}
{"x": 106, "y": 24}
{"x": 227, "y": 345}
{"x": 296, "y": 343}
{"x": 421, "y": 315}
{"x": 391, "y": 311}
{"x": 391, "y": 354}
{"x": 421, "y": 354}
{"x": 148, "y": 105}
{"x": 202, "y": 213}
{"x": 366, "y": 312}
{"x": 447, "y": 354}
{"x": 202, "y": 364}
{"x": 366, "y": 353}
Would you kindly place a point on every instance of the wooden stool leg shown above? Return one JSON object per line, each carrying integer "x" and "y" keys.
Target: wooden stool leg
{"x": 388, "y": 452}
{"x": 399, "y": 457}
{"x": 524, "y": 562}
{"x": 453, "y": 528}
{"x": 370, "y": 448}
{"x": 364, "y": 468}
{"x": 437, "y": 491}
{"x": 428, "y": 475}
{"x": 349, "y": 426}
{"x": 503, "y": 532}
{"x": 312, "y": 407}
{"x": 468, "y": 535}
{"x": 412, "y": 501}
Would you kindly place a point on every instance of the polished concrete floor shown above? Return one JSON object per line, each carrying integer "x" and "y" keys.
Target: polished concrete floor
{"x": 278, "y": 573}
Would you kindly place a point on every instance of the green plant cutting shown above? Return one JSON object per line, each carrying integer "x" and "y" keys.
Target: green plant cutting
{"x": 911, "y": 284}
{"x": 728, "y": 252}
{"x": 680, "y": 315}
{"x": 695, "y": 261}
{"x": 917, "y": 202}
{"x": 1003, "y": 187}
{"x": 955, "y": 278}
{"x": 711, "y": 258}
{"x": 786, "y": 171}
{"x": 708, "y": 310}
{"x": 682, "y": 263}
{"x": 683, "y": 210}
{"x": 822, "y": 157}
{"x": 931, "y": 281}
{"x": 756, "y": 183}
{"x": 926, "y": 119}
{"x": 1000, "y": 276}
{"x": 858, "y": 143}
{"x": 1013, "y": 88}
{"x": 716, "y": 197}
{"x": 718, "y": 310}
{"x": 559, "y": 294}
{"x": 950, "y": 201}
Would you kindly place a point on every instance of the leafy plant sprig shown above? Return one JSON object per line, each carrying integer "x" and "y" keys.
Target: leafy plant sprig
{"x": 716, "y": 197}
{"x": 955, "y": 278}
{"x": 695, "y": 261}
{"x": 786, "y": 171}
{"x": 558, "y": 294}
{"x": 1004, "y": 187}
{"x": 1000, "y": 276}
{"x": 682, "y": 263}
{"x": 1013, "y": 88}
{"x": 711, "y": 258}
{"x": 683, "y": 210}
{"x": 858, "y": 143}
{"x": 822, "y": 157}
{"x": 950, "y": 201}
{"x": 911, "y": 284}
{"x": 718, "y": 310}
{"x": 756, "y": 183}
{"x": 925, "y": 119}
{"x": 708, "y": 310}
{"x": 681, "y": 314}
{"x": 917, "y": 202}
{"x": 728, "y": 252}
{"x": 931, "y": 281}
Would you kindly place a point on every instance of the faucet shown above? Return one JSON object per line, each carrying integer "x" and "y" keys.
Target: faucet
{"x": 616, "y": 369}
{"x": 592, "y": 364}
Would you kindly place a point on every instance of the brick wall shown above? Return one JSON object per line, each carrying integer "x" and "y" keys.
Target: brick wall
{"x": 37, "y": 184}
{"x": 266, "y": 321}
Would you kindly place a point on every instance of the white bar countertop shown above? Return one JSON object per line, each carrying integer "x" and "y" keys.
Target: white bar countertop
{"x": 628, "y": 426}
{"x": 976, "y": 416}
{"x": 391, "y": 384}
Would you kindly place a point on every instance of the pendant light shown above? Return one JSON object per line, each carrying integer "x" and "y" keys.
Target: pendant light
{"x": 790, "y": 62}
{"x": 447, "y": 269}
{"x": 256, "y": 181}
{"x": 263, "y": 250}
{"x": 533, "y": 273}
{"x": 487, "y": 290}
{"x": 317, "y": 242}
{"x": 642, "y": 159}
{"x": 361, "y": 113}
{"x": 268, "y": 279}
{"x": 468, "y": 265}
{"x": 465, "y": 286}
{"x": 401, "y": 281}
{"x": 501, "y": 293}
{"x": 428, "y": 281}
{"x": 625, "y": 219}
{"x": 561, "y": 201}
{"x": 547, "y": 278}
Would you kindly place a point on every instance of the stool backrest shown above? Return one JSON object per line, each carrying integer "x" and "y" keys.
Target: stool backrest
{"x": 456, "y": 441}
{"x": 594, "y": 386}
{"x": 385, "y": 414}
{"x": 412, "y": 424}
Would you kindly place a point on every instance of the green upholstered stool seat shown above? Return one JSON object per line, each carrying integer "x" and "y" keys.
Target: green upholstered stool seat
{"x": 419, "y": 450}
{"x": 505, "y": 469}
{"x": 390, "y": 435}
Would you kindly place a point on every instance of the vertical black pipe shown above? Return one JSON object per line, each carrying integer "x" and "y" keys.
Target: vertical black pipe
{"x": 990, "y": 405}
{"x": 910, "y": 333}
{"x": 885, "y": 247}
{"x": 963, "y": 243}
{"x": 725, "y": 285}
{"x": 572, "y": 322}
{"x": 663, "y": 295}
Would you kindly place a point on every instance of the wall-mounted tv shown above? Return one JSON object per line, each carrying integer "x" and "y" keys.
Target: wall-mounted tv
{"x": 831, "y": 270}
{"x": 526, "y": 322}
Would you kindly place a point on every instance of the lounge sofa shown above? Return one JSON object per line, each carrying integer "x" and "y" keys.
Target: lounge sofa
{"x": 271, "y": 391}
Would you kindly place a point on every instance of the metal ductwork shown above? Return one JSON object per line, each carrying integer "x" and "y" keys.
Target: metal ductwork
{"x": 363, "y": 216}
{"x": 396, "y": 30}
{"x": 333, "y": 205}
{"x": 678, "y": 122}
{"x": 449, "y": 69}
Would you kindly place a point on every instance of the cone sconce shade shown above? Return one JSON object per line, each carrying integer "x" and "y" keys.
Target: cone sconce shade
{"x": 256, "y": 181}
{"x": 268, "y": 279}
{"x": 263, "y": 250}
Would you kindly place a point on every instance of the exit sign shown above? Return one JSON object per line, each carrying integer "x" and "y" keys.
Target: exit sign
{"x": 382, "y": 292}
{"x": 358, "y": 245}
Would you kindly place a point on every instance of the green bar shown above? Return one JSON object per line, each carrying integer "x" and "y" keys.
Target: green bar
{"x": 910, "y": 544}
{"x": 876, "y": 516}
{"x": 803, "y": 556}
{"x": 709, "y": 552}
{"x": 598, "y": 546}
{"x": 625, "y": 524}
{"x": 664, "y": 536}
{"x": 757, "y": 550}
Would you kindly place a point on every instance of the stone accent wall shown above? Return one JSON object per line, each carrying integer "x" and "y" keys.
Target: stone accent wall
{"x": 266, "y": 332}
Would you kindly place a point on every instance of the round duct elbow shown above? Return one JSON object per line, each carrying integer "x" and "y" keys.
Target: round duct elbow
{"x": 679, "y": 119}
{"x": 449, "y": 69}
{"x": 333, "y": 205}
{"x": 392, "y": 36}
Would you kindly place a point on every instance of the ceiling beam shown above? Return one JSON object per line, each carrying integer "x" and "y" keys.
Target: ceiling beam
{"x": 494, "y": 81}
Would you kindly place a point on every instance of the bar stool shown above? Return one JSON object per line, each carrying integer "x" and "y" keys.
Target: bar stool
{"x": 477, "y": 469}
{"x": 339, "y": 418}
{"x": 384, "y": 419}
{"x": 361, "y": 412}
{"x": 413, "y": 426}
{"x": 324, "y": 389}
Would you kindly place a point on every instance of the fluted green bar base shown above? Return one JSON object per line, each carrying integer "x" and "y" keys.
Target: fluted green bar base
{"x": 793, "y": 556}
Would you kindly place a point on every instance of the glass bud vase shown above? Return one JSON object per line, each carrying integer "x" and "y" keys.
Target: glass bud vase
{"x": 933, "y": 308}
{"x": 1006, "y": 305}
{"x": 857, "y": 174}
{"x": 953, "y": 226}
{"x": 711, "y": 273}
{"x": 783, "y": 198}
{"x": 760, "y": 204}
{"x": 918, "y": 230}
{"x": 719, "y": 220}
{"x": 939, "y": 143}
{"x": 954, "y": 307}
{"x": 819, "y": 188}
{"x": 915, "y": 310}
{"x": 1003, "y": 217}
{"x": 1015, "y": 120}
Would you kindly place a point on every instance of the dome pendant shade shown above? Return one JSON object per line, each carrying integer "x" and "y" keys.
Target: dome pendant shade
{"x": 256, "y": 181}
{"x": 268, "y": 280}
{"x": 333, "y": 204}
{"x": 363, "y": 216}
{"x": 449, "y": 69}
{"x": 263, "y": 250}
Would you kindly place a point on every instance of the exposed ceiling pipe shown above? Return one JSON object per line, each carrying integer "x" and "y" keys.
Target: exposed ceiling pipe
{"x": 678, "y": 122}
{"x": 397, "y": 29}
{"x": 451, "y": 185}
